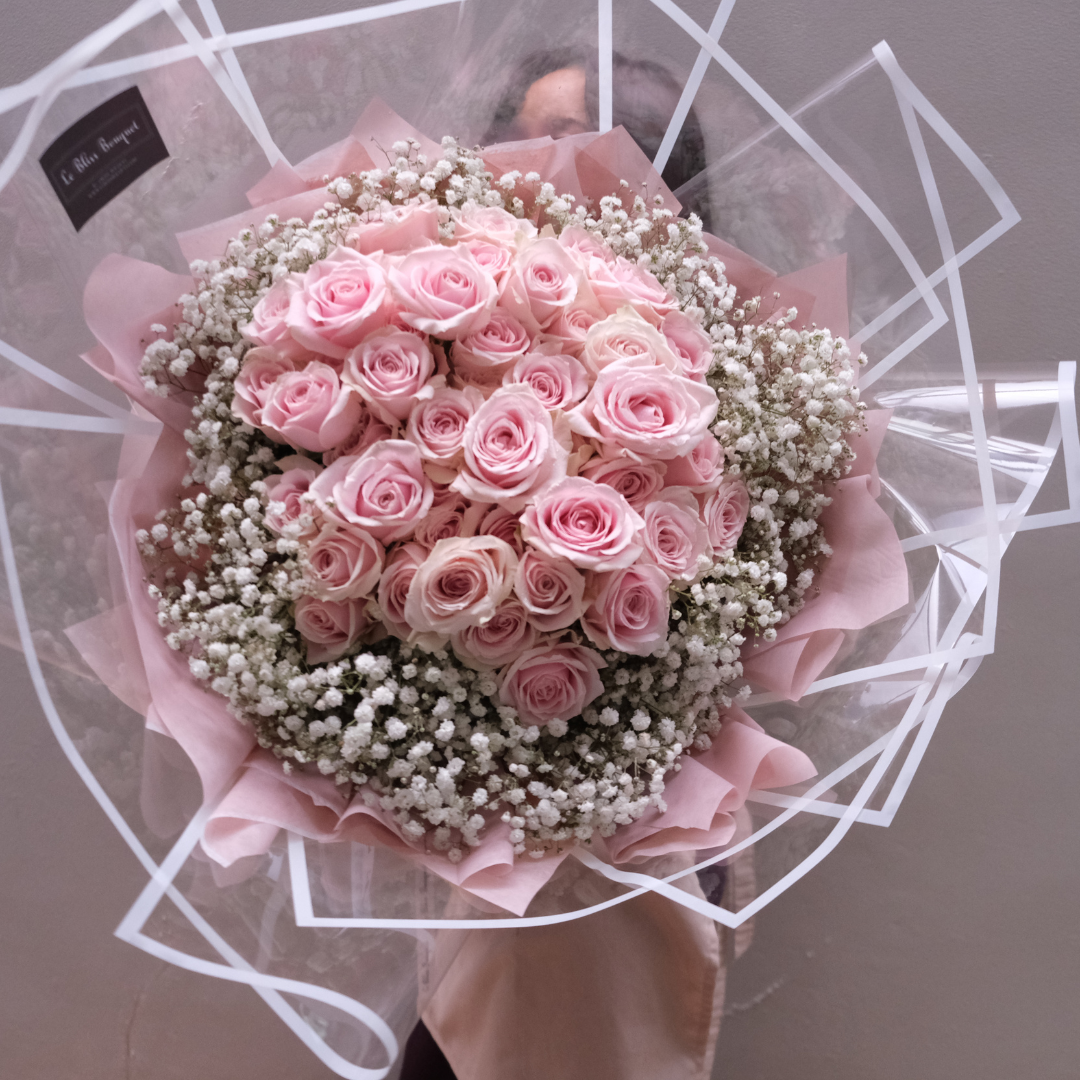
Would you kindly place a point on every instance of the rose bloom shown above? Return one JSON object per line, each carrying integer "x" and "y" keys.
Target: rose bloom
{"x": 288, "y": 509}
{"x": 636, "y": 481}
{"x": 484, "y": 355}
{"x": 625, "y": 336}
{"x": 344, "y": 563}
{"x": 383, "y": 491}
{"x": 342, "y": 298}
{"x": 254, "y": 381}
{"x": 399, "y": 229}
{"x": 505, "y": 525}
{"x": 690, "y": 344}
{"x": 551, "y": 590}
{"x": 725, "y": 515}
{"x": 542, "y": 281}
{"x": 447, "y": 518}
{"x": 461, "y": 583}
{"x": 269, "y": 320}
{"x": 498, "y": 642}
{"x": 309, "y": 408}
{"x": 329, "y": 627}
{"x": 675, "y": 536}
{"x": 552, "y": 682}
{"x": 443, "y": 291}
{"x": 590, "y": 525}
{"x": 557, "y": 381}
{"x": 630, "y": 613}
{"x": 394, "y": 585}
{"x": 512, "y": 450}
{"x": 701, "y": 470}
{"x": 366, "y": 432}
{"x": 494, "y": 258}
{"x": 644, "y": 409}
{"x": 390, "y": 369}
{"x": 621, "y": 283}
{"x": 491, "y": 224}
{"x": 437, "y": 425}
{"x": 569, "y": 329}
{"x": 583, "y": 246}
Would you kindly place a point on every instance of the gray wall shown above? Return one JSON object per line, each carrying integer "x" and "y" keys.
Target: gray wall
{"x": 944, "y": 947}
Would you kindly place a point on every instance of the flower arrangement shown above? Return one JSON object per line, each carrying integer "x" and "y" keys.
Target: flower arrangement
{"x": 486, "y": 492}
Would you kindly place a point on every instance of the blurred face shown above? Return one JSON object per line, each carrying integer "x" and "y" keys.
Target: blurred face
{"x": 554, "y": 105}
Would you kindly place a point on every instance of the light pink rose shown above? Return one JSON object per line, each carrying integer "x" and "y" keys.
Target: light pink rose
{"x": 701, "y": 470}
{"x": 558, "y": 381}
{"x": 400, "y": 229}
{"x": 342, "y": 298}
{"x": 329, "y": 627}
{"x": 498, "y": 642}
{"x": 391, "y": 370}
{"x": 437, "y": 426}
{"x": 690, "y": 344}
{"x": 621, "y": 283}
{"x": 494, "y": 258}
{"x": 591, "y": 525}
{"x": 625, "y": 336}
{"x": 461, "y": 583}
{"x": 636, "y": 481}
{"x": 483, "y": 356}
{"x": 384, "y": 491}
{"x": 644, "y": 409}
{"x": 630, "y": 612}
{"x": 584, "y": 246}
{"x": 451, "y": 516}
{"x": 269, "y": 320}
{"x": 309, "y": 408}
{"x": 569, "y": 329}
{"x": 256, "y": 377}
{"x": 552, "y": 590}
{"x": 505, "y": 525}
{"x": 288, "y": 510}
{"x": 675, "y": 536}
{"x": 512, "y": 450}
{"x": 344, "y": 563}
{"x": 443, "y": 291}
{"x": 542, "y": 282}
{"x": 367, "y": 431}
{"x": 394, "y": 585}
{"x": 490, "y": 223}
{"x": 725, "y": 515}
{"x": 552, "y": 682}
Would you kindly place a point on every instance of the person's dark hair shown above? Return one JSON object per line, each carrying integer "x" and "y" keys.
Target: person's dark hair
{"x": 644, "y": 93}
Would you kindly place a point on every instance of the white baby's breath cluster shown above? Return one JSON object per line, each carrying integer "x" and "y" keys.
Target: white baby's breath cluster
{"x": 418, "y": 734}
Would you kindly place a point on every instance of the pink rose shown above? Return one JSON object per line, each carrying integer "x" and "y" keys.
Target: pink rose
{"x": 512, "y": 450}
{"x": 288, "y": 509}
{"x": 675, "y": 536}
{"x": 569, "y": 329}
{"x": 625, "y": 336}
{"x": 437, "y": 425}
{"x": 329, "y": 627}
{"x": 620, "y": 283}
{"x": 342, "y": 298}
{"x": 391, "y": 370}
{"x": 542, "y": 282}
{"x": 630, "y": 613}
{"x": 309, "y": 408}
{"x": 690, "y": 344}
{"x": 636, "y": 481}
{"x": 494, "y": 258}
{"x": 251, "y": 387}
{"x": 725, "y": 515}
{"x": 269, "y": 320}
{"x": 644, "y": 409}
{"x": 584, "y": 246}
{"x": 701, "y": 470}
{"x": 443, "y": 291}
{"x": 384, "y": 491}
{"x": 552, "y": 590}
{"x": 483, "y": 355}
{"x": 490, "y": 223}
{"x": 552, "y": 682}
{"x": 366, "y": 432}
{"x": 399, "y": 229}
{"x": 394, "y": 588}
{"x": 591, "y": 525}
{"x": 447, "y": 518}
{"x": 505, "y": 525}
{"x": 499, "y": 641}
{"x": 557, "y": 381}
{"x": 344, "y": 563}
{"x": 461, "y": 583}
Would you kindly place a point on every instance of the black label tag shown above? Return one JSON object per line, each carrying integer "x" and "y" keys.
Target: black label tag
{"x": 101, "y": 154}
